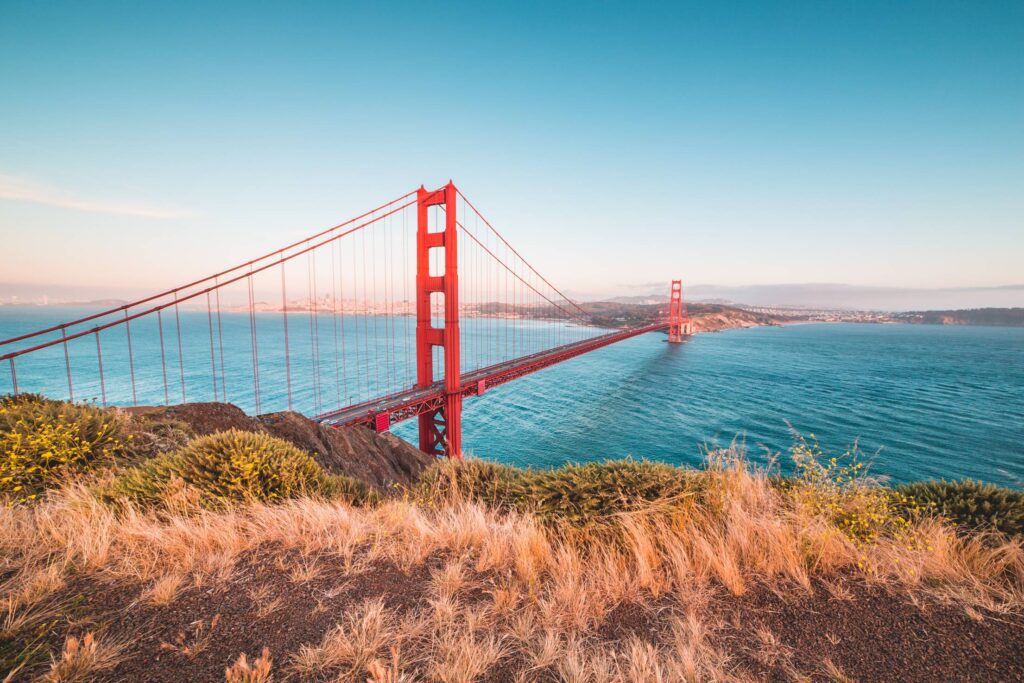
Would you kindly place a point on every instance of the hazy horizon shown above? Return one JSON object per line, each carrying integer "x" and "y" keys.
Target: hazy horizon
{"x": 808, "y": 295}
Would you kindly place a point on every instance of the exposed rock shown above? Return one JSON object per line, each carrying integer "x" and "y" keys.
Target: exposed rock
{"x": 203, "y": 418}
{"x": 381, "y": 460}
{"x": 378, "y": 459}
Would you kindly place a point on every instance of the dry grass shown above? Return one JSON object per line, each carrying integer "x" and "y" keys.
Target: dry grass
{"x": 82, "y": 659}
{"x": 163, "y": 590}
{"x": 195, "y": 640}
{"x": 244, "y": 672}
{"x": 352, "y": 645}
{"x": 263, "y": 600}
{"x": 545, "y": 590}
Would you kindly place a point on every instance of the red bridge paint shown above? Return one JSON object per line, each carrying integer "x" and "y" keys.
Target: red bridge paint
{"x": 440, "y": 424}
{"x": 678, "y": 321}
{"x": 457, "y": 258}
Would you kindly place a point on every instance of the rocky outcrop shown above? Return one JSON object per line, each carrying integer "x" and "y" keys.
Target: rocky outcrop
{"x": 381, "y": 460}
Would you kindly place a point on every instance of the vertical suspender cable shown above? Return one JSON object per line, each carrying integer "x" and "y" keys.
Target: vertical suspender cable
{"x": 287, "y": 356}
{"x": 376, "y": 317}
{"x": 220, "y": 339}
{"x": 311, "y": 296}
{"x": 341, "y": 293}
{"x": 213, "y": 355}
{"x": 99, "y": 359}
{"x": 131, "y": 359}
{"x": 316, "y": 336}
{"x": 389, "y": 293}
{"x": 181, "y": 355}
{"x": 67, "y": 364}
{"x": 366, "y": 322}
{"x": 163, "y": 356}
{"x": 406, "y": 267}
{"x": 383, "y": 311}
{"x": 255, "y": 345}
{"x": 334, "y": 323}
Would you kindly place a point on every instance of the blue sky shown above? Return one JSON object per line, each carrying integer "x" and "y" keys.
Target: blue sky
{"x": 727, "y": 143}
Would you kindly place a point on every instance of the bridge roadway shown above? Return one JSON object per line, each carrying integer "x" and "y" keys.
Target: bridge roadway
{"x": 410, "y": 403}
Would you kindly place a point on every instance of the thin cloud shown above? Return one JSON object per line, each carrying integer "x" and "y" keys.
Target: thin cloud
{"x": 21, "y": 190}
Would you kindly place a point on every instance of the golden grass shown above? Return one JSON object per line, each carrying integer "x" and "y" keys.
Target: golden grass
{"x": 353, "y": 644}
{"x": 82, "y": 659}
{"x": 244, "y": 672}
{"x": 163, "y": 590}
{"x": 546, "y": 589}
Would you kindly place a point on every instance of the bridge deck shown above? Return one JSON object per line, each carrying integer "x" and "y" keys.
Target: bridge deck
{"x": 408, "y": 404}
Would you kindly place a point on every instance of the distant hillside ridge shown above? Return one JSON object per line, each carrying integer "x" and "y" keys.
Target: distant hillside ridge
{"x": 705, "y": 317}
{"x": 998, "y": 317}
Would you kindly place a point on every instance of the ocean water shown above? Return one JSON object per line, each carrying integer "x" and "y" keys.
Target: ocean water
{"x": 918, "y": 402}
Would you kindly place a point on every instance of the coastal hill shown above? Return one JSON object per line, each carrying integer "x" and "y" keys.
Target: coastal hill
{"x": 196, "y": 543}
{"x": 705, "y": 317}
{"x": 996, "y": 317}
{"x": 711, "y": 317}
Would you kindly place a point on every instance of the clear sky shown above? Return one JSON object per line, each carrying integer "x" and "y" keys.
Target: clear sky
{"x": 616, "y": 144}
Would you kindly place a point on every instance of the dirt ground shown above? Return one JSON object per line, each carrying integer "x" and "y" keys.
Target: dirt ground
{"x": 848, "y": 631}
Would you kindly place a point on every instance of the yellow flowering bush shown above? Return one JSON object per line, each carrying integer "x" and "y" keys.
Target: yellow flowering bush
{"x": 839, "y": 490}
{"x": 43, "y": 443}
{"x": 232, "y": 467}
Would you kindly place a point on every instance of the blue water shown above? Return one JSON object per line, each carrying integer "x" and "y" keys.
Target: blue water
{"x": 918, "y": 401}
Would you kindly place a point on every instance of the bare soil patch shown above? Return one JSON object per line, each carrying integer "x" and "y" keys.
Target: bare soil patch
{"x": 869, "y": 634}
{"x": 279, "y": 600}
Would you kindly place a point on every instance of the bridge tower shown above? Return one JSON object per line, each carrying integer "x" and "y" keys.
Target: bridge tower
{"x": 440, "y": 428}
{"x": 678, "y": 320}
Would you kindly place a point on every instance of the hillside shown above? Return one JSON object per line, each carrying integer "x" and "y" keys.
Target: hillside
{"x": 157, "y": 547}
{"x": 997, "y": 317}
{"x": 709, "y": 317}
{"x": 705, "y": 317}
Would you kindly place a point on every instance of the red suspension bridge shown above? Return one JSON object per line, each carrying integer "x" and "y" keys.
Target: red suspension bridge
{"x": 401, "y": 312}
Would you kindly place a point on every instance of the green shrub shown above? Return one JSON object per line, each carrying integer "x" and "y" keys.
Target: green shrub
{"x": 581, "y": 495}
{"x": 595, "y": 492}
{"x": 498, "y": 486}
{"x": 969, "y": 504}
{"x": 231, "y": 467}
{"x": 355, "y": 491}
{"x": 44, "y": 442}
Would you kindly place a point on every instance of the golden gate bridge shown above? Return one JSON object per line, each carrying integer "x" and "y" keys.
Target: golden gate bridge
{"x": 377, "y": 339}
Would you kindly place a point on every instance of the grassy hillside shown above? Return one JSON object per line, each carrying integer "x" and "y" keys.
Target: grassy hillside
{"x": 234, "y": 556}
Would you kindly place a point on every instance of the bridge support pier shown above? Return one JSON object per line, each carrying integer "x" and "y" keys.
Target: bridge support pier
{"x": 678, "y": 321}
{"x": 440, "y": 429}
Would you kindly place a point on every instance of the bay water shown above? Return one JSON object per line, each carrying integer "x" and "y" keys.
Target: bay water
{"x": 917, "y": 401}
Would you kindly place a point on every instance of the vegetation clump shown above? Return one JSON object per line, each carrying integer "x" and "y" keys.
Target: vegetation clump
{"x": 580, "y": 495}
{"x": 839, "y": 491}
{"x": 232, "y": 467}
{"x": 969, "y": 504}
{"x": 44, "y": 443}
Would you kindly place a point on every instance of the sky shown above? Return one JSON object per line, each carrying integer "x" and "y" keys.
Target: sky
{"x": 617, "y": 145}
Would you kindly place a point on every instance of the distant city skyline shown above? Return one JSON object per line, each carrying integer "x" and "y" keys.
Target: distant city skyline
{"x": 745, "y": 146}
